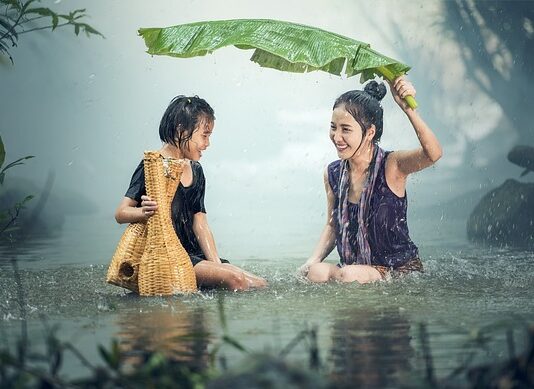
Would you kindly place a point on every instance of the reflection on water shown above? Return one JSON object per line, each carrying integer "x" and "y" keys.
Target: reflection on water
{"x": 365, "y": 332}
{"x": 370, "y": 348}
{"x": 180, "y": 334}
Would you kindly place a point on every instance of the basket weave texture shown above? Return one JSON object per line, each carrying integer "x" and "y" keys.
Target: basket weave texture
{"x": 150, "y": 259}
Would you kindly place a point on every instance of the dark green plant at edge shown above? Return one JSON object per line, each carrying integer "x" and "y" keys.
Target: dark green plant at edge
{"x": 21, "y": 17}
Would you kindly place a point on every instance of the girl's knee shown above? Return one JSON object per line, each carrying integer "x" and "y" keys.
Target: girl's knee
{"x": 237, "y": 281}
{"x": 360, "y": 275}
{"x": 319, "y": 272}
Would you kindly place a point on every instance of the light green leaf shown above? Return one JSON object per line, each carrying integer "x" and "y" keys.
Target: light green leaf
{"x": 279, "y": 45}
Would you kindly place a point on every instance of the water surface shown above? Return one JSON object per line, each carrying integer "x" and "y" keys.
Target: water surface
{"x": 368, "y": 334}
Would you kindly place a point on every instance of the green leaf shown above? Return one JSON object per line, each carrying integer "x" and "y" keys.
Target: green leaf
{"x": 233, "y": 342}
{"x": 157, "y": 359}
{"x": 4, "y": 50}
{"x": 25, "y": 6}
{"x": 90, "y": 30}
{"x": 41, "y": 11}
{"x": 112, "y": 358}
{"x": 10, "y": 33}
{"x": 74, "y": 15}
{"x": 106, "y": 356}
{"x": 2, "y": 152}
{"x": 222, "y": 316}
{"x": 278, "y": 45}
{"x": 13, "y": 3}
{"x": 17, "y": 162}
{"x": 115, "y": 354}
{"x": 77, "y": 29}
{"x": 20, "y": 204}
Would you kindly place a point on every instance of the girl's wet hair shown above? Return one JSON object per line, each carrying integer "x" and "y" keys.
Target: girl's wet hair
{"x": 181, "y": 118}
{"x": 364, "y": 106}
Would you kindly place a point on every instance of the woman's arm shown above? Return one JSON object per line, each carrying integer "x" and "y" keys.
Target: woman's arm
{"x": 411, "y": 161}
{"x": 327, "y": 240}
{"x": 205, "y": 237}
{"x": 128, "y": 212}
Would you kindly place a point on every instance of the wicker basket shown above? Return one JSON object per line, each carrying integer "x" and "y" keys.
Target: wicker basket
{"x": 150, "y": 260}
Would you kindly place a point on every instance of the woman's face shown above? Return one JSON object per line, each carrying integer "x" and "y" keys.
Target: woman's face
{"x": 200, "y": 140}
{"x": 346, "y": 134}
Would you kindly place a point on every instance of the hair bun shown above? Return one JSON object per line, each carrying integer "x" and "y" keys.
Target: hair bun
{"x": 376, "y": 90}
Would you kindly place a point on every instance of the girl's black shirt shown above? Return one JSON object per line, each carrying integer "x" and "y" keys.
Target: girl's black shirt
{"x": 186, "y": 202}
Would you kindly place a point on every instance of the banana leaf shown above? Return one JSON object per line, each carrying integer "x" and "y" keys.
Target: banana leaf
{"x": 278, "y": 45}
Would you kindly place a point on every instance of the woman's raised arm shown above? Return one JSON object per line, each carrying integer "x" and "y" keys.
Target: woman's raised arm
{"x": 411, "y": 161}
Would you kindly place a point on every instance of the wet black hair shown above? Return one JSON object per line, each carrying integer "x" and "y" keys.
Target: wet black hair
{"x": 364, "y": 106}
{"x": 181, "y": 118}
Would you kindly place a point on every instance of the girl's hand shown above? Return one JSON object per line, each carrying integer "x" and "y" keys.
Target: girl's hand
{"x": 148, "y": 207}
{"x": 303, "y": 270}
{"x": 400, "y": 88}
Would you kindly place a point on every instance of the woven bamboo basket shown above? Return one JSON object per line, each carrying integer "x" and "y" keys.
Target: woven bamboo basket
{"x": 150, "y": 259}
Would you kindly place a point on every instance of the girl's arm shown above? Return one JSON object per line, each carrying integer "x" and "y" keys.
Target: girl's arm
{"x": 407, "y": 162}
{"x": 128, "y": 212}
{"x": 205, "y": 237}
{"x": 327, "y": 240}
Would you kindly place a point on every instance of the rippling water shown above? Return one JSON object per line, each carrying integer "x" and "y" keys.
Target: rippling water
{"x": 371, "y": 334}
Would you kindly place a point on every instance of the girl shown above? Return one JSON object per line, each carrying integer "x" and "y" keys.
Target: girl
{"x": 365, "y": 189}
{"x": 185, "y": 130}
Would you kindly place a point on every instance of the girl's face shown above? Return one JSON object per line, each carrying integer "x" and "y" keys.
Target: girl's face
{"x": 346, "y": 134}
{"x": 200, "y": 140}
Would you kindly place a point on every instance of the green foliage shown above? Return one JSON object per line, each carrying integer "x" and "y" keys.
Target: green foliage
{"x": 277, "y": 44}
{"x": 9, "y": 216}
{"x": 20, "y": 17}
{"x": 496, "y": 41}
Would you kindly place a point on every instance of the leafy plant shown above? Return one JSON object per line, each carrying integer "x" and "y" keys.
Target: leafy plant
{"x": 21, "y": 17}
{"x": 9, "y": 216}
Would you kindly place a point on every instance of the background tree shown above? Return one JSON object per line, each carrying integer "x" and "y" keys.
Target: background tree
{"x": 497, "y": 40}
{"x": 21, "y": 17}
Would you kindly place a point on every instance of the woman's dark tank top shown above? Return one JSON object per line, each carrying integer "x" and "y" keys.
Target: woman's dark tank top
{"x": 389, "y": 238}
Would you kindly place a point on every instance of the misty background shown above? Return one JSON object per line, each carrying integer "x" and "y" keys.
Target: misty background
{"x": 87, "y": 108}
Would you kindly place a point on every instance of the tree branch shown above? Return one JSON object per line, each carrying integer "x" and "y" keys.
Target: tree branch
{"x": 43, "y": 28}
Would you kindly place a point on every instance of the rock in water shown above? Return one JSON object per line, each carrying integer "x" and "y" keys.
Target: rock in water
{"x": 504, "y": 216}
{"x": 522, "y": 156}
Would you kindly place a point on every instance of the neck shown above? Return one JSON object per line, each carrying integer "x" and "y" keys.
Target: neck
{"x": 171, "y": 151}
{"x": 361, "y": 160}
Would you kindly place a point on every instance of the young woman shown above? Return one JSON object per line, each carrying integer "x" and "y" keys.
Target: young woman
{"x": 185, "y": 130}
{"x": 365, "y": 189}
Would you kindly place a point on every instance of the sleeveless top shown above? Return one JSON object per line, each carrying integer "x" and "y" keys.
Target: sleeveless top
{"x": 389, "y": 238}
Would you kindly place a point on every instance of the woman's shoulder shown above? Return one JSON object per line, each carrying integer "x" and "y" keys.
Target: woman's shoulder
{"x": 334, "y": 165}
{"x": 333, "y": 168}
{"x": 332, "y": 172}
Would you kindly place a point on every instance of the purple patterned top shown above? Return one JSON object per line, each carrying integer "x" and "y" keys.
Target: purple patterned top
{"x": 389, "y": 238}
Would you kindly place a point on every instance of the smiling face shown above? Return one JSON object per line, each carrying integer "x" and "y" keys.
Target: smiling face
{"x": 199, "y": 141}
{"x": 346, "y": 134}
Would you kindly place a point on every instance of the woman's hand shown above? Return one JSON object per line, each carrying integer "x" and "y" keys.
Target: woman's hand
{"x": 303, "y": 270}
{"x": 148, "y": 207}
{"x": 400, "y": 88}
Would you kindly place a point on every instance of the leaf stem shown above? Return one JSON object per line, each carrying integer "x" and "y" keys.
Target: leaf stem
{"x": 388, "y": 74}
